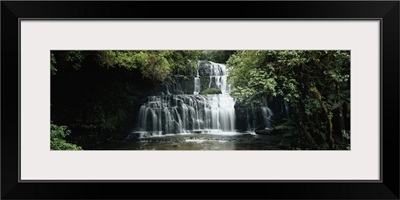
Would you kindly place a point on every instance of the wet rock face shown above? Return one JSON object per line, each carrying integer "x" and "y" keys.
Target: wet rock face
{"x": 178, "y": 85}
{"x": 241, "y": 118}
{"x": 183, "y": 83}
{"x": 204, "y": 68}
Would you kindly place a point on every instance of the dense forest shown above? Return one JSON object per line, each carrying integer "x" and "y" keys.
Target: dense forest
{"x": 96, "y": 95}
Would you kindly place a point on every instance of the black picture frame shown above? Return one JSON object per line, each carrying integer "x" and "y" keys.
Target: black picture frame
{"x": 13, "y": 11}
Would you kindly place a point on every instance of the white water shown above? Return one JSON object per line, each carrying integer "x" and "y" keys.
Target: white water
{"x": 197, "y": 83}
{"x": 166, "y": 114}
{"x": 267, "y": 114}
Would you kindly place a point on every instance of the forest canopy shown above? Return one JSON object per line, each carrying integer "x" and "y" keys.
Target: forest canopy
{"x": 155, "y": 65}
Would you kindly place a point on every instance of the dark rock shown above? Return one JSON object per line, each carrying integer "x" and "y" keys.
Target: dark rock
{"x": 204, "y": 68}
{"x": 197, "y": 131}
{"x": 133, "y": 136}
{"x": 261, "y": 127}
{"x": 264, "y": 131}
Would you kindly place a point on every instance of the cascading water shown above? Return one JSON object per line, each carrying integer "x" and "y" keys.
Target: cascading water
{"x": 266, "y": 113}
{"x": 197, "y": 84}
{"x": 257, "y": 117}
{"x": 187, "y": 113}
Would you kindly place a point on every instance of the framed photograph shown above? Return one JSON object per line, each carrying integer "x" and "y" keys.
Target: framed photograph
{"x": 123, "y": 99}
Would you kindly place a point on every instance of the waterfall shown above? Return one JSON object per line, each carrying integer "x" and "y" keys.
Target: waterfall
{"x": 197, "y": 83}
{"x": 286, "y": 109}
{"x": 218, "y": 75}
{"x": 266, "y": 113}
{"x": 188, "y": 113}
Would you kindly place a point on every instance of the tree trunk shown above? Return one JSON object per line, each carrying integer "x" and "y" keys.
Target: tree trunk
{"x": 309, "y": 138}
{"x": 341, "y": 120}
{"x": 329, "y": 127}
{"x": 307, "y": 134}
{"x": 316, "y": 131}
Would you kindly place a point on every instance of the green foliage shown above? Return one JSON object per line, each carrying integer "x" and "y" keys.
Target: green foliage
{"x": 346, "y": 134}
{"x": 251, "y": 75}
{"x": 57, "y": 138}
{"x": 181, "y": 59}
{"x": 66, "y": 59}
{"x": 53, "y": 62}
{"x": 211, "y": 91}
{"x": 314, "y": 83}
{"x": 286, "y": 73}
{"x": 155, "y": 65}
{"x": 218, "y": 56}
{"x": 75, "y": 59}
{"x": 156, "y": 68}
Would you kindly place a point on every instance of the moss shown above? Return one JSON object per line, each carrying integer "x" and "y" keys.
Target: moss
{"x": 211, "y": 91}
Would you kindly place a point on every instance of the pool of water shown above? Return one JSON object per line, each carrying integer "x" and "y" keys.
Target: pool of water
{"x": 194, "y": 141}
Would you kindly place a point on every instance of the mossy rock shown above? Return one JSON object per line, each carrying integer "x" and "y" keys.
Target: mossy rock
{"x": 211, "y": 91}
